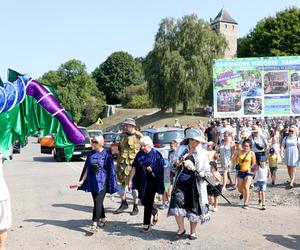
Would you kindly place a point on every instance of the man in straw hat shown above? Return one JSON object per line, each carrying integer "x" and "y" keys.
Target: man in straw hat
{"x": 129, "y": 147}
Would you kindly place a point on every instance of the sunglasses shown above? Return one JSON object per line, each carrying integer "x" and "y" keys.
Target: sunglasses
{"x": 291, "y": 131}
{"x": 95, "y": 142}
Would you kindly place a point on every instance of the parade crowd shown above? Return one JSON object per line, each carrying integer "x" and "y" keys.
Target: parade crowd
{"x": 212, "y": 158}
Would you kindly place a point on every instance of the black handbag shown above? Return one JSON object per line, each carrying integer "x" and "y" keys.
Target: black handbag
{"x": 238, "y": 166}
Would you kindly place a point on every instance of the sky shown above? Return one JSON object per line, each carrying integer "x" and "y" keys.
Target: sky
{"x": 39, "y": 36}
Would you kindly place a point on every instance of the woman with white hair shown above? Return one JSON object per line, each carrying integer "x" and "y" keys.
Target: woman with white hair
{"x": 98, "y": 177}
{"x": 147, "y": 176}
{"x": 189, "y": 197}
{"x": 5, "y": 209}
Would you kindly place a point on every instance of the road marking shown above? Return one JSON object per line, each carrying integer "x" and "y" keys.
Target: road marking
{"x": 74, "y": 167}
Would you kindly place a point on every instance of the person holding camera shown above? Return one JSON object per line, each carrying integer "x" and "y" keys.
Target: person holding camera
{"x": 245, "y": 162}
{"x": 98, "y": 177}
{"x": 189, "y": 197}
{"x": 147, "y": 176}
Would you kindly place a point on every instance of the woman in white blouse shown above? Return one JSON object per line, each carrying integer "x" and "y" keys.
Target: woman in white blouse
{"x": 5, "y": 209}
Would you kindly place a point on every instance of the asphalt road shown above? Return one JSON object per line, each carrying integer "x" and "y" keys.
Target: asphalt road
{"x": 49, "y": 215}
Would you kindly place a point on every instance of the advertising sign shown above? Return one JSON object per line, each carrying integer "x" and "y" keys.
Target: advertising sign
{"x": 256, "y": 87}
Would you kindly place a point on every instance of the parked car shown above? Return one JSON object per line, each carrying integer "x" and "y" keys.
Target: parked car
{"x": 80, "y": 150}
{"x": 162, "y": 137}
{"x": 94, "y": 132}
{"x": 109, "y": 138}
{"x": 17, "y": 147}
{"x": 114, "y": 147}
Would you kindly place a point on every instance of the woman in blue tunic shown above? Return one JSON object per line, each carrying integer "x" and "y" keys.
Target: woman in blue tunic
{"x": 291, "y": 146}
{"x": 98, "y": 177}
{"x": 147, "y": 176}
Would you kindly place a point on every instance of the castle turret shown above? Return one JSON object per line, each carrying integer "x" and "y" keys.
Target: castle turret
{"x": 227, "y": 26}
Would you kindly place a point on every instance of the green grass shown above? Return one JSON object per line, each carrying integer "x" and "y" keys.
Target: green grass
{"x": 148, "y": 117}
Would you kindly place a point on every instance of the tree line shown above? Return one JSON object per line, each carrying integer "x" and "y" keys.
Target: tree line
{"x": 178, "y": 69}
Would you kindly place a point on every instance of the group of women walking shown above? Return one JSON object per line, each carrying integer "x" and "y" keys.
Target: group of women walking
{"x": 189, "y": 197}
{"x": 191, "y": 165}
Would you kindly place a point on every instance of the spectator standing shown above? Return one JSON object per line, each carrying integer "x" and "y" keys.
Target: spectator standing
{"x": 211, "y": 133}
{"x": 290, "y": 147}
{"x": 225, "y": 126}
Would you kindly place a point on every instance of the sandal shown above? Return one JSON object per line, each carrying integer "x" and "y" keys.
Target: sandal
{"x": 192, "y": 236}
{"x": 93, "y": 228}
{"x": 155, "y": 219}
{"x": 102, "y": 223}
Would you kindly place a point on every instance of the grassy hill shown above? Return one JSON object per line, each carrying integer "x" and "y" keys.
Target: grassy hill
{"x": 147, "y": 118}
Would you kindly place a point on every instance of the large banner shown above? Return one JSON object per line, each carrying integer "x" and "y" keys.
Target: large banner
{"x": 256, "y": 87}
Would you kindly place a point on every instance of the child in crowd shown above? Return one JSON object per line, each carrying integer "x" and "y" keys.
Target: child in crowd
{"x": 169, "y": 175}
{"x": 215, "y": 180}
{"x": 263, "y": 173}
{"x": 211, "y": 151}
{"x": 273, "y": 163}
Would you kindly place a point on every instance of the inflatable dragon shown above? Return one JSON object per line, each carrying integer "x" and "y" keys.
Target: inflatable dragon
{"x": 12, "y": 93}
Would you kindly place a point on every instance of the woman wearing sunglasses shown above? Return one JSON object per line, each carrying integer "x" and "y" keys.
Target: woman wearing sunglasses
{"x": 98, "y": 177}
{"x": 290, "y": 147}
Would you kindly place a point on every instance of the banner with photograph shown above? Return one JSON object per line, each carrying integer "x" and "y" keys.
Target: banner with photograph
{"x": 256, "y": 87}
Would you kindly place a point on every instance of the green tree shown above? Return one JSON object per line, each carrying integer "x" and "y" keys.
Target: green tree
{"x": 179, "y": 68}
{"x": 76, "y": 90}
{"x": 136, "y": 96}
{"x": 118, "y": 71}
{"x": 273, "y": 36}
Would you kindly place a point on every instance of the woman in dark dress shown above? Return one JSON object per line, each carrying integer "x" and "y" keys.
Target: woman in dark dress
{"x": 98, "y": 177}
{"x": 189, "y": 197}
{"x": 147, "y": 176}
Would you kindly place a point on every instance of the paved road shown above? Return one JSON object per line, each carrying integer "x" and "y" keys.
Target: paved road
{"x": 48, "y": 215}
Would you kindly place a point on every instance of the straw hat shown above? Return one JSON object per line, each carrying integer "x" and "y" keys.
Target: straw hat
{"x": 255, "y": 128}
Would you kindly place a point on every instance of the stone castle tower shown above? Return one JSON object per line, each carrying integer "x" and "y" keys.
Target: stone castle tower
{"x": 226, "y": 25}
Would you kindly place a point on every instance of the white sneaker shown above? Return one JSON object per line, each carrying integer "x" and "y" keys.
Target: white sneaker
{"x": 215, "y": 209}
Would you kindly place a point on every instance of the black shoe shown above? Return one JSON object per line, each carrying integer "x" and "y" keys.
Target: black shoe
{"x": 135, "y": 210}
{"x": 123, "y": 207}
{"x": 241, "y": 196}
{"x": 179, "y": 235}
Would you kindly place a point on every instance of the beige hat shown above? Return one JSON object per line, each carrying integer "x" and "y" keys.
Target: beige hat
{"x": 194, "y": 134}
{"x": 255, "y": 128}
{"x": 130, "y": 121}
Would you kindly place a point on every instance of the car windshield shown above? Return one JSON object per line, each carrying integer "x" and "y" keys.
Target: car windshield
{"x": 94, "y": 133}
{"x": 84, "y": 132}
{"x": 109, "y": 136}
{"x": 167, "y": 136}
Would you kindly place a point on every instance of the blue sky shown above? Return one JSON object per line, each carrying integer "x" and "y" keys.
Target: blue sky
{"x": 38, "y": 36}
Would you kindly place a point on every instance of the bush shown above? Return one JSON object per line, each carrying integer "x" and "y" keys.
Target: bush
{"x": 136, "y": 96}
{"x": 138, "y": 102}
